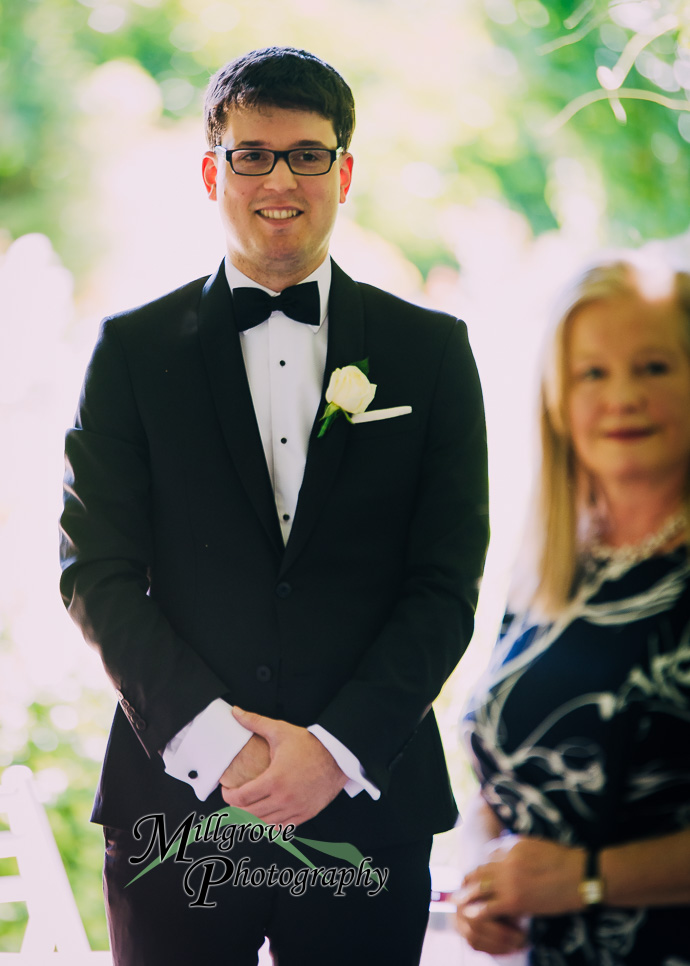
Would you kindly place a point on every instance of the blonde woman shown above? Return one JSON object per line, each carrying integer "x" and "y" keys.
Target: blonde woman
{"x": 580, "y": 733}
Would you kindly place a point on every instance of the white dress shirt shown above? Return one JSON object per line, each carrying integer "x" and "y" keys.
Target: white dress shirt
{"x": 285, "y": 362}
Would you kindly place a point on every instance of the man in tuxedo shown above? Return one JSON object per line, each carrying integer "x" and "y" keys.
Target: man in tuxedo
{"x": 223, "y": 552}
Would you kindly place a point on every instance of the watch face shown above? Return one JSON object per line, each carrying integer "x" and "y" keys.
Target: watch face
{"x": 591, "y": 891}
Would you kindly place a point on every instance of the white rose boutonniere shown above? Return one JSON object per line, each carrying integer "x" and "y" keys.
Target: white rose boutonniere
{"x": 349, "y": 392}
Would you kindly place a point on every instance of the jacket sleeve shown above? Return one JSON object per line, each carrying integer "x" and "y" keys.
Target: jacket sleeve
{"x": 106, "y": 550}
{"x": 376, "y": 713}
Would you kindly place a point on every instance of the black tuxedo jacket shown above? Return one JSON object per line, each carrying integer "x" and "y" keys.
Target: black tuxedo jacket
{"x": 175, "y": 569}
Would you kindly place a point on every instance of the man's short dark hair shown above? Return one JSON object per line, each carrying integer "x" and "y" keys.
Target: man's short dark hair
{"x": 280, "y": 77}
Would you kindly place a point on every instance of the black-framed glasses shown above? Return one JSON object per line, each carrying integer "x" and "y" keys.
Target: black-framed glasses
{"x": 255, "y": 162}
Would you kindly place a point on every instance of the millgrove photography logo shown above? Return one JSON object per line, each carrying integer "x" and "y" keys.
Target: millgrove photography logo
{"x": 230, "y": 826}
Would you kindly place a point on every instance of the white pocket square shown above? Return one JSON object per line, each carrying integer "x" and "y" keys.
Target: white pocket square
{"x": 374, "y": 414}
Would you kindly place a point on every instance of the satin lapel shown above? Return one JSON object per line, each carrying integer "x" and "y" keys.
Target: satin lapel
{"x": 346, "y": 344}
{"x": 222, "y": 353}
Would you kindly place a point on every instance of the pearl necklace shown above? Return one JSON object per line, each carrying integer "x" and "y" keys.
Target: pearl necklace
{"x": 632, "y": 553}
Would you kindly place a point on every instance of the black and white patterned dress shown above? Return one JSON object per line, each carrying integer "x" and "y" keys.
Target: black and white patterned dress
{"x": 580, "y": 733}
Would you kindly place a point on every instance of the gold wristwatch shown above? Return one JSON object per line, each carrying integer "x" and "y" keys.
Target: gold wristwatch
{"x": 591, "y": 889}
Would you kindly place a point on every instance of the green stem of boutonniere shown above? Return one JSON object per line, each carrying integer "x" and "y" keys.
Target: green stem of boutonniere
{"x": 329, "y": 414}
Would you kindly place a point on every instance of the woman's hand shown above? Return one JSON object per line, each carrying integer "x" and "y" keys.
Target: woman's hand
{"x": 523, "y": 877}
{"x": 480, "y": 835}
{"x": 527, "y": 877}
{"x": 486, "y": 933}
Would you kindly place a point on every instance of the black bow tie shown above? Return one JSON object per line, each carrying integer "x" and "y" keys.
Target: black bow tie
{"x": 299, "y": 302}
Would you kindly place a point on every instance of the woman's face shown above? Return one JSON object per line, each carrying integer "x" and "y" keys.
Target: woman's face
{"x": 629, "y": 391}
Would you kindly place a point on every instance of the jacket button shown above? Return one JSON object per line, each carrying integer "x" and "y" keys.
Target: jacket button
{"x": 283, "y": 590}
{"x": 139, "y": 723}
{"x": 263, "y": 673}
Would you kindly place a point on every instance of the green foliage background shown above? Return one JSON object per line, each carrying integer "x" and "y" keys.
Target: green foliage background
{"x": 412, "y": 66}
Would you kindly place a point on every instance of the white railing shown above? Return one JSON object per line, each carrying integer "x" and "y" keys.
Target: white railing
{"x": 54, "y": 932}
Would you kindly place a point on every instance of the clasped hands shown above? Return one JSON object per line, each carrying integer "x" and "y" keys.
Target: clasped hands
{"x": 522, "y": 877}
{"x": 283, "y": 775}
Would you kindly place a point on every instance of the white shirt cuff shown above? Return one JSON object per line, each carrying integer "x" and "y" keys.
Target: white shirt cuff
{"x": 201, "y": 751}
{"x": 347, "y": 762}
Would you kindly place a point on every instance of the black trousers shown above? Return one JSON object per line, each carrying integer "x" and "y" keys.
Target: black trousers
{"x": 218, "y": 907}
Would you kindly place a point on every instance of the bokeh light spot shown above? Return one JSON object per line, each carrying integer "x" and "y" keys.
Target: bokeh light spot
{"x": 108, "y": 18}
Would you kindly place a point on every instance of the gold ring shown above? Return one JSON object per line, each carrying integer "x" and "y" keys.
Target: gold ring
{"x": 486, "y": 886}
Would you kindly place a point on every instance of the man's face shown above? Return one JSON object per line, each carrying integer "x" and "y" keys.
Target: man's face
{"x": 277, "y": 226}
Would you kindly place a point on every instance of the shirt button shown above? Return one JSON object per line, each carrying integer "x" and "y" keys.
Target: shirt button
{"x": 283, "y": 590}
{"x": 282, "y": 362}
{"x": 263, "y": 673}
{"x": 192, "y": 774}
{"x": 283, "y": 440}
{"x": 286, "y": 516}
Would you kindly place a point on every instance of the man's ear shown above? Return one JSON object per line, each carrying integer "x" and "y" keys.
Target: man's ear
{"x": 346, "y": 162}
{"x": 209, "y": 171}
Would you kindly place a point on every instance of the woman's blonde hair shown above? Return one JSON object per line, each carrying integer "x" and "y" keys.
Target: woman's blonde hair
{"x": 559, "y": 501}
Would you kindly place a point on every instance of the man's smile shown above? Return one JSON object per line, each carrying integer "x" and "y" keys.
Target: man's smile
{"x": 279, "y": 214}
